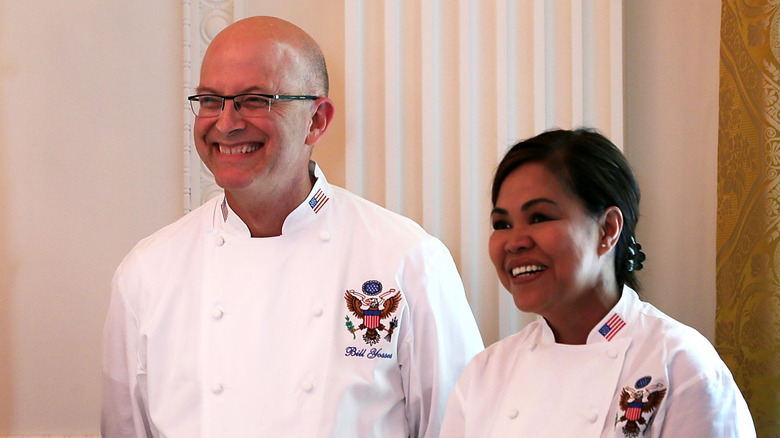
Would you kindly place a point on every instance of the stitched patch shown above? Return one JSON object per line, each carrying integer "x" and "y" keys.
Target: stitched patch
{"x": 638, "y": 406}
{"x": 372, "y": 307}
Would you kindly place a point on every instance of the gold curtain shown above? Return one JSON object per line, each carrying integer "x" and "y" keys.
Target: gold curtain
{"x": 748, "y": 228}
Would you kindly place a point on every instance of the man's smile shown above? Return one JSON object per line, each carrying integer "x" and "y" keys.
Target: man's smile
{"x": 246, "y": 148}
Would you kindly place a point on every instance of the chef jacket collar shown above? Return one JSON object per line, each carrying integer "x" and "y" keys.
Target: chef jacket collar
{"x": 613, "y": 326}
{"x": 315, "y": 204}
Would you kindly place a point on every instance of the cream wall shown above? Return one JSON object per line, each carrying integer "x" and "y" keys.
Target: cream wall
{"x": 671, "y": 128}
{"x": 91, "y": 161}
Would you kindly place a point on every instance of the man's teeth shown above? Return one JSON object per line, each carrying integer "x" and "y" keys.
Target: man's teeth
{"x": 239, "y": 150}
{"x": 526, "y": 270}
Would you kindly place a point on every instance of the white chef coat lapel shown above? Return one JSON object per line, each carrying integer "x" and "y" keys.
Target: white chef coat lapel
{"x": 258, "y": 310}
{"x": 226, "y": 220}
{"x": 585, "y": 380}
{"x": 236, "y": 336}
{"x": 640, "y": 374}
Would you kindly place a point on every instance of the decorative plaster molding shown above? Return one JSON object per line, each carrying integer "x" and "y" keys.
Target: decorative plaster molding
{"x": 203, "y": 19}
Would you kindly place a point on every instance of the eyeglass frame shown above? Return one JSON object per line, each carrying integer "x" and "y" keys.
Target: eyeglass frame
{"x": 270, "y": 97}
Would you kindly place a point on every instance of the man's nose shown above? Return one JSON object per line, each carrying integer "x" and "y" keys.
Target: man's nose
{"x": 230, "y": 119}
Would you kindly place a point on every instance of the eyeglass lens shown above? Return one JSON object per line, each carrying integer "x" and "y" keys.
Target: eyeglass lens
{"x": 248, "y": 105}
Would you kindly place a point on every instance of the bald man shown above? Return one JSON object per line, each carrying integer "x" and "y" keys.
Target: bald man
{"x": 286, "y": 307}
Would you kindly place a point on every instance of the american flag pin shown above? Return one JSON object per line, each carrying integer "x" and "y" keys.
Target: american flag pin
{"x": 612, "y": 327}
{"x": 318, "y": 201}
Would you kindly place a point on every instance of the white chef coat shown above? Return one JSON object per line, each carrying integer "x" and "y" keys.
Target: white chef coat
{"x": 212, "y": 333}
{"x": 528, "y": 386}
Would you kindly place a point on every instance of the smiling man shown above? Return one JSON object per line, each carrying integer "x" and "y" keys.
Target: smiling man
{"x": 287, "y": 307}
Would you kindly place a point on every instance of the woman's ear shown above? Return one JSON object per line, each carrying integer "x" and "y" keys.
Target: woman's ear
{"x": 610, "y": 226}
{"x": 320, "y": 120}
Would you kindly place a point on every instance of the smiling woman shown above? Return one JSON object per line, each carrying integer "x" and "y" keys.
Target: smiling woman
{"x": 565, "y": 206}
{"x": 558, "y": 203}
{"x": 540, "y": 249}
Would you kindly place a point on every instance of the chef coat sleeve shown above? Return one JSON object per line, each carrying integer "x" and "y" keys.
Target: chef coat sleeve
{"x": 708, "y": 404}
{"x": 441, "y": 338}
{"x": 454, "y": 424}
{"x": 123, "y": 412}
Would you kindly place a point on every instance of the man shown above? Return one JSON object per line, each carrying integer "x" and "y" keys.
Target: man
{"x": 287, "y": 307}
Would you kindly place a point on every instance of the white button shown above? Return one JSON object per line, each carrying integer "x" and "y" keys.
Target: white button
{"x": 308, "y": 386}
{"x": 513, "y": 414}
{"x": 612, "y": 353}
{"x": 217, "y": 388}
{"x": 316, "y": 311}
{"x": 217, "y": 312}
{"x": 593, "y": 416}
{"x": 325, "y": 235}
{"x": 219, "y": 241}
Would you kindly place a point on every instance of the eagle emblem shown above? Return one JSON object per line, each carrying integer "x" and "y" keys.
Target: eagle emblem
{"x": 372, "y": 306}
{"x": 638, "y": 406}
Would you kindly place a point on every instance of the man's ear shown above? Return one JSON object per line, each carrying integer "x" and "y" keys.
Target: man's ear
{"x": 320, "y": 120}
{"x": 610, "y": 225}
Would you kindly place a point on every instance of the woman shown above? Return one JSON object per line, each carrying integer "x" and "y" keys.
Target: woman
{"x": 599, "y": 362}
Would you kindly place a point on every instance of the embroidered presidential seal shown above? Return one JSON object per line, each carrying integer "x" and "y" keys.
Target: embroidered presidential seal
{"x": 638, "y": 406}
{"x": 372, "y": 306}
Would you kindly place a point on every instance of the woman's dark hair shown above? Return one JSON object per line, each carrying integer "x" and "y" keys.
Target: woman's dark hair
{"x": 595, "y": 170}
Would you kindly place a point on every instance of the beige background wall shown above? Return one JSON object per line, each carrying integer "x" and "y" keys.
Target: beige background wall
{"x": 671, "y": 120}
{"x": 90, "y": 128}
{"x": 91, "y": 161}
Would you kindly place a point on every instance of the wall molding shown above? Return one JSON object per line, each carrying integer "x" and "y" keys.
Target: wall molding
{"x": 203, "y": 19}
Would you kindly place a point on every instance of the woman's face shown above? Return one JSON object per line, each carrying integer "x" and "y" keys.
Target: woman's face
{"x": 545, "y": 245}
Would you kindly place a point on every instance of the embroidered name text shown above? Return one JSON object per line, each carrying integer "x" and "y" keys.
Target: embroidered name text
{"x": 373, "y": 353}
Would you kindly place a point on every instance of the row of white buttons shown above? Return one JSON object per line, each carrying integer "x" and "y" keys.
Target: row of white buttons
{"x": 610, "y": 353}
{"x": 217, "y": 312}
{"x": 324, "y": 236}
{"x": 217, "y": 388}
{"x": 592, "y": 416}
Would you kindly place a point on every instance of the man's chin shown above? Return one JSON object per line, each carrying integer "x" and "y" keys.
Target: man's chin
{"x": 233, "y": 183}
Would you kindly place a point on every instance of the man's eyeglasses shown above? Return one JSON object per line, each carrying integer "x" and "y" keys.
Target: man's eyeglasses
{"x": 247, "y": 104}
